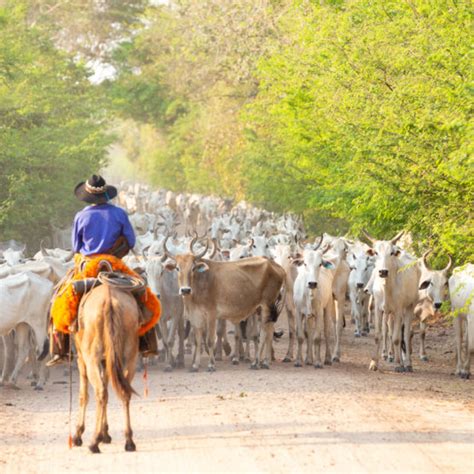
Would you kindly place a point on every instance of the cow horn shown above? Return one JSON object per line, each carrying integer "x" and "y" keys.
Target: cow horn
{"x": 449, "y": 265}
{"x": 368, "y": 236}
{"x": 251, "y": 242}
{"x": 193, "y": 241}
{"x": 44, "y": 252}
{"x": 200, "y": 255}
{"x": 425, "y": 259}
{"x": 143, "y": 252}
{"x": 397, "y": 237}
{"x": 319, "y": 243}
{"x": 214, "y": 248}
{"x": 165, "y": 248}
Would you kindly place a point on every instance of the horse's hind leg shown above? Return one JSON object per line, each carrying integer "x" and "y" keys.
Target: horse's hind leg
{"x": 129, "y": 444}
{"x": 83, "y": 399}
{"x": 100, "y": 390}
{"x": 105, "y": 436}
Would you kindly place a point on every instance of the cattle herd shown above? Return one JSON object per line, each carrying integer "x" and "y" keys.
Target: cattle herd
{"x": 222, "y": 268}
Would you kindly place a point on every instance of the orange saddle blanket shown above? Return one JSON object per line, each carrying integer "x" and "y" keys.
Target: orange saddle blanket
{"x": 66, "y": 303}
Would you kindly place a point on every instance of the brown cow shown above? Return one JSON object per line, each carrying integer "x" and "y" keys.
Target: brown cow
{"x": 227, "y": 290}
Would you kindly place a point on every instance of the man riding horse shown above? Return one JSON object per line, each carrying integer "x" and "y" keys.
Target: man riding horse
{"x": 102, "y": 235}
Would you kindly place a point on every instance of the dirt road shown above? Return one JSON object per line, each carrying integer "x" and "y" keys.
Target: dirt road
{"x": 339, "y": 419}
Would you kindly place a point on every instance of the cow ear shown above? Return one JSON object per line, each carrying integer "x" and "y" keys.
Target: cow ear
{"x": 201, "y": 267}
{"x": 327, "y": 264}
{"x": 425, "y": 285}
{"x": 170, "y": 266}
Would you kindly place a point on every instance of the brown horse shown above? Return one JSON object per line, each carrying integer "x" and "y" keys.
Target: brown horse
{"x": 107, "y": 348}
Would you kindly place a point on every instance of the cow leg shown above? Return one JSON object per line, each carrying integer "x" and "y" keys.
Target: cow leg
{"x": 300, "y": 339}
{"x": 225, "y": 341}
{"x": 423, "y": 355}
{"x": 328, "y": 312}
{"x": 165, "y": 337}
{"x": 180, "y": 363}
{"x": 8, "y": 356}
{"x": 339, "y": 313}
{"x": 197, "y": 349}
{"x": 318, "y": 337}
{"x": 378, "y": 323}
{"x": 83, "y": 399}
{"x": 266, "y": 332}
{"x": 211, "y": 342}
{"x": 407, "y": 337}
{"x": 252, "y": 336}
{"x": 310, "y": 329}
{"x": 171, "y": 338}
{"x": 397, "y": 340}
{"x": 385, "y": 335}
{"x": 458, "y": 333}
{"x": 22, "y": 336}
{"x": 237, "y": 341}
{"x": 291, "y": 332}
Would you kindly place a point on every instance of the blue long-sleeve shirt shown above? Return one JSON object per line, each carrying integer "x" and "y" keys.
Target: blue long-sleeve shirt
{"x": 96, "y": 228}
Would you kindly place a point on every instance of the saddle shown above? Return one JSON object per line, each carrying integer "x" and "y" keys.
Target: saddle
{"x": 124, "y": 282}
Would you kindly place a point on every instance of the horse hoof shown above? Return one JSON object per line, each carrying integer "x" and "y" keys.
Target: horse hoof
{"x": 286, "y": 359}
{"x": 235, "y": 361}
{"x": 193, "y": 370}
{"x": 424, "y": 358}
{"x": 77, "y": 441}
{"x": 106, "y": 439}
{"x": 211, "y": 368}
{"x": 399, "y": 369}
{"x": 94, "y": 448}
{"x": 318, "y": 365}
{"x": 130, "y": 446}
{"x": 168, "y": 368}
{"x": 38, "y": 388}
{"x": 336, "y": 359}
{"x": 409, "y": 368}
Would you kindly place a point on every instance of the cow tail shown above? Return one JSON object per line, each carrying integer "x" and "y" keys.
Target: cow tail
{"x": 277, "y": 307}
{"x": 113, "y": 349}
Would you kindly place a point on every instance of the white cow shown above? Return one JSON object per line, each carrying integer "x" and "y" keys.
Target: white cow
{"x": 433, "y": 290}
{"x": 361, "y": 265}
{"x": 395, "y": 290}
{"x": 461, "y": 291}
{"x": 314, "y": 304}
{"x": 24, "y": 299}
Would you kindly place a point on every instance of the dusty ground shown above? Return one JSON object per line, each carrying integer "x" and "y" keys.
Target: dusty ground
{"x": 338, "y": 419}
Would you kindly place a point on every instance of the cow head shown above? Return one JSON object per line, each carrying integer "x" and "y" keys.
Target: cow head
{"x": 362, "y": 266}
{"x": 386, "y": 254}
{"x": 187, "y": 266}
{"x": 312, "y": 262}
{"x": 434, "y": 283}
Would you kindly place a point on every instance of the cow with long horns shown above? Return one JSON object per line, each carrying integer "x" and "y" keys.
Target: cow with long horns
{"x": 226, "y": 290}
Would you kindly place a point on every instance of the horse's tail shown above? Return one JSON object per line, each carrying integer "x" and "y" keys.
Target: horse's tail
{"x": 113, "y": 333}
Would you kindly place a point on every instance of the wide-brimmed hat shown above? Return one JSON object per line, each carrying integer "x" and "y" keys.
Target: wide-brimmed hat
{"x": 95, "y": 190}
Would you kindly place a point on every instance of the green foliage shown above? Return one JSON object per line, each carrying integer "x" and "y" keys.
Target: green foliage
{"x": 51, "y": 130}
{"x": 353, "y": 113}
